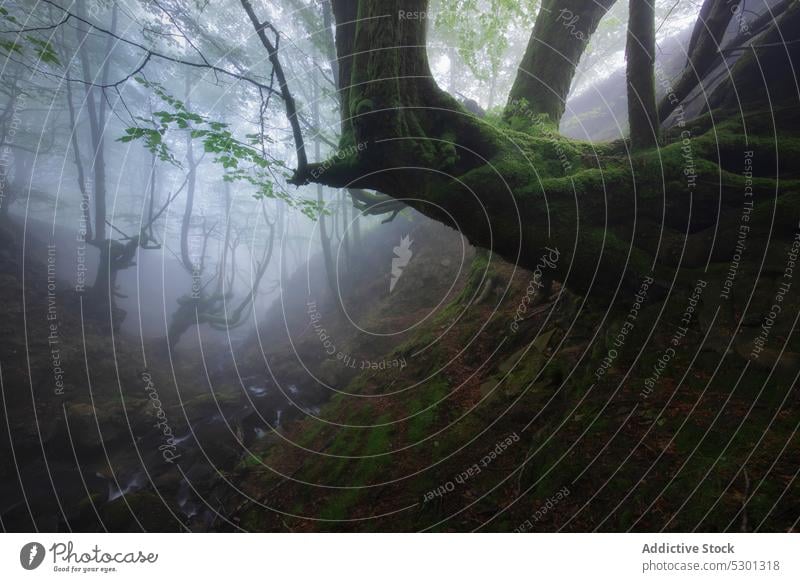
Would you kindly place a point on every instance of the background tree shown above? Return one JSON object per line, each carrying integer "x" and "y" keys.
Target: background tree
{"x": 641, "y": 55}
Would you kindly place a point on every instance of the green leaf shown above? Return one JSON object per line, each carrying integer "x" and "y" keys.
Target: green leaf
{"x": 240, "y": 161}
{"x": 44, "y": 50}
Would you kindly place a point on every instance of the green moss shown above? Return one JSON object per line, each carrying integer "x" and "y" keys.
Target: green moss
{"x": 425, "y": 399}
{"x": 374, "y": 441}
{"x": 309, "y": 430}
{"x": 249, "y": 461}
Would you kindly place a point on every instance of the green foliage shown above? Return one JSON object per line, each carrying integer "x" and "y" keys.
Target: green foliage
{"x": 44, "y": 50}
{"x": 520, "y": 117}
{"x": 5, "y": 15}
{"x": 479, "y": 29}
{"x": 153, "y": 140}
{"x": 240, "y": 161}
{"x": 9, "y": 46}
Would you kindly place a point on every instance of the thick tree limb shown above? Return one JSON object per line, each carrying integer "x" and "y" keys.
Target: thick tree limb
{"x": 614, "y": 217}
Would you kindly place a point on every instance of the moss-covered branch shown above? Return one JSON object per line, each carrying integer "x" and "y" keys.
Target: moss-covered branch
{"x": 515, "y": 186}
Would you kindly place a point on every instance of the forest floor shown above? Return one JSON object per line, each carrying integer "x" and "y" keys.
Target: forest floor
{"x": 550, "y": 425}
{"x": 510, "y": 411}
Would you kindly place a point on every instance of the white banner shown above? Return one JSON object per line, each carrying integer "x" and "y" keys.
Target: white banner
{"x": 356, "y": 557}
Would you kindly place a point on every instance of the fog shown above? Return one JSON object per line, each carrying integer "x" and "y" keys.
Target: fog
{"x": 178, "y": 283}
{"x": 78, "y": 176}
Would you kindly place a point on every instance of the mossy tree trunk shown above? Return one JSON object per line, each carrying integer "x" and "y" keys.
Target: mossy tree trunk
{"x": 519, "y": 188}
{"x": 640, "y": 52}
{"x": 560, "y": 35}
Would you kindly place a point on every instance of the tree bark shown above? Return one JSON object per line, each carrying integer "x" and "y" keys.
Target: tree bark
{"x": 97, "y": 121}
{"x": 325, "y": 239}
{"x": 560, "y": 35}
{"x": 223, "y": 260}
{"x": 614, "y": 217}
{"x": 277, "y": 68}
{"x": 76, "y": 152}
{"x": 188, "y": 209}
{"x": 640, "y": 51}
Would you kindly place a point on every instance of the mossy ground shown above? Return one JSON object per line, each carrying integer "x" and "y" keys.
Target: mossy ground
{"x": 712, "y": 446}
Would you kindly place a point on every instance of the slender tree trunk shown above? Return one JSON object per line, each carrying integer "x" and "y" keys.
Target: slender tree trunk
{"x": 188, "y": 209}
{"x": 234, "y": 316}
{"x": 325, "y": 242}
{"x": 356, "y": 226}
{"x": 76, "y": 152}
{"x": 231, "y": 282}
{"x": 492, "y": 88}
{"x": 284, "y": 233}
{"x": 560, "y": 35}
{"x": 345, "y": 216}
{"x": 152, "y": 201}
{"x": 23, "y": 165}
{"x": 223, "y": 262}
{"x": 10, "y": 106}
{"x": 640, "y": 51}
{"x": 113, "y": 255}
{"x": 8, "y": 195}
{"x": 277, "y": 68}
{"x": 95, "y": 103}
